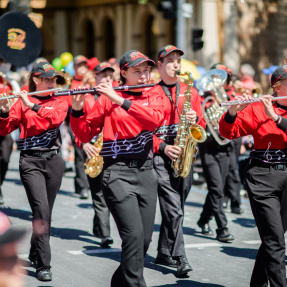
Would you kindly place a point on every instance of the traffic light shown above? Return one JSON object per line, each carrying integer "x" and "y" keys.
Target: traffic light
{"x": 197, "y": 42}
{"x": 168, "y": 7}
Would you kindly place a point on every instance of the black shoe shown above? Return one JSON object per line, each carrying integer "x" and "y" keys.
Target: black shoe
{"x": 44, "y": 275}
{"x": 84, "y": 194}
{"x": 183, "y": 266}
{"x": 166, "y": 260}
{"x": 237, "y": 210}
{"x": 224, "y": 236}
{"x": 205, "y": 229}
{"x": 106, "y": 241}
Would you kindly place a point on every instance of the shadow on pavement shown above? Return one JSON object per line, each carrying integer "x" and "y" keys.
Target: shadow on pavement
{"x": 193, "y": 204}
{"x": 240, "y": 252}
{"x": 188, "y": 231}
{"x": 245, "y": 222}
{"x": 17, "y": 213}
{"x": 85, "y": 205}
{"x": 15, "y": 180}
{"x": 182, "y": 283}
{"x": 68, "y": 193}
{"x": 74, "y": 234}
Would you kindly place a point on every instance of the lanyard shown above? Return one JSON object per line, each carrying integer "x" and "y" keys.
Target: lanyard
{"x": 168, "y": 94}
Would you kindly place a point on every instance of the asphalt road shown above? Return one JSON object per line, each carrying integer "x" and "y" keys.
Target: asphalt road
{"x": 78, "y": 260}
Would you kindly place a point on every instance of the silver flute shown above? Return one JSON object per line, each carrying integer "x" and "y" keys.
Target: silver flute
{"x": 256, "y": 100}
{"x": 12, "y": 96}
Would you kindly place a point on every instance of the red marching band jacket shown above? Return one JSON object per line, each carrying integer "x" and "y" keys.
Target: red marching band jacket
{"x": 39, "y": 126}
{"x": 166, "y": 132}
{"x": 127, "y": 129}
{"x": 269, "y": 138}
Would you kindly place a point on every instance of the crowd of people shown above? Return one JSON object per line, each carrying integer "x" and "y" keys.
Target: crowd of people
{"x": 129, "y": 135}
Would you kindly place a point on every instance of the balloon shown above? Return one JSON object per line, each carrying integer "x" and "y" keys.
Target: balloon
{"x": 66, "y": 58}
{"x": 69, "y": 68}
{"x": 57, "y": 64}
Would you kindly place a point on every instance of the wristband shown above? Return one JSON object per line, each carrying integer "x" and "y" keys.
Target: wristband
{"x": 279, "y": 117}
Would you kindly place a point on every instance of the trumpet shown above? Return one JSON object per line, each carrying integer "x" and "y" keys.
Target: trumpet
{"x": 13, "y": 95}
{"x": 256, "y": 100}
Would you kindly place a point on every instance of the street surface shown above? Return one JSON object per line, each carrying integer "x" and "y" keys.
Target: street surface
{"x": 79, "y": 261}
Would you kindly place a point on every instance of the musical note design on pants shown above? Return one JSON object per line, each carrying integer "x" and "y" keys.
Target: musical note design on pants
{"x": 267, "y": 154}
{"x": 142, "y": 140}
{"x": 115, "y": 147}
{"x": 282, "y": 155}
{"x": 128, "y": 144}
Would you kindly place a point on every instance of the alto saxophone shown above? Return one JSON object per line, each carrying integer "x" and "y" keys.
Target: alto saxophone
{"x": 95, "y": 164}
{"x": 187, "y": 136}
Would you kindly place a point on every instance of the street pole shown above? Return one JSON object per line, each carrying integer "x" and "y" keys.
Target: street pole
{"x": 180, "y": 26}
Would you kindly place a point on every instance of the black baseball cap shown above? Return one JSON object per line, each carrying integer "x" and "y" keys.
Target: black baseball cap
{"x": 46, "y": 70}
{"x": 80, "y": 59}
{"x": 221, "y": 67}
{"x": 134, "y": 58}
{"x": 164, "y": 51}
{"x": 103, "y": 66}
{"x": 8, "y": 233}
{"x": 279, "y": 74}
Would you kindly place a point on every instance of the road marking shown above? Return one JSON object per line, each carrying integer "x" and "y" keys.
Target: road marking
{"x": 23, "y": 256}
{"x": 252, "y": 242}
{"x": 95, "y": 251}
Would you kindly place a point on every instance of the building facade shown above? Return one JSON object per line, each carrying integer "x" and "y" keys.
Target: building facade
{"x": 235, "y": 31}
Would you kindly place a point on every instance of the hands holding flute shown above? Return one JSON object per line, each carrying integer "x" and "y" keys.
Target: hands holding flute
{"x": 243, "y": 99}
{"x": 106, "y": 89}
{"x": 5, "y": 103}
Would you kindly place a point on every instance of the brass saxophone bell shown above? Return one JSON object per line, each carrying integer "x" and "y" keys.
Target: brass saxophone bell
{"x": 94, "y": 165}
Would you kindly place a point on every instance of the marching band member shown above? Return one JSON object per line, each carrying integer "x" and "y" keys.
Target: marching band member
{"x": 41, "y": 165}
{"x": 215, "y": 160}
{"x": 80, "y": 181}
{"x": 128, "y": 179}
{"x": 6, "y": 142}
{"x": 101, "y": 223}
{"x": 266, "y": 174}
{"x": 172, "y": 191}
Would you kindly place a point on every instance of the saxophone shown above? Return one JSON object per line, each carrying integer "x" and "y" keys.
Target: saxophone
{"x": 95, "y": 164}
{"x": 187, "y": 136}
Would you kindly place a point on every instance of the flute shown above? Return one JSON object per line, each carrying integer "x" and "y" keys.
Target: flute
{"x": 13, "y": 96}
{"x": 237, "y": 102}
{"x": 95, "y": 90}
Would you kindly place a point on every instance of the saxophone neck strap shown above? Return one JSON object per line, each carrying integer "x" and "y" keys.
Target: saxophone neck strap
{"x": 168, "y": 94}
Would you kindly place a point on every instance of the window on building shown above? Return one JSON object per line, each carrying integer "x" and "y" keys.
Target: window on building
{"x": 150, "y": 38}
{"x": 109, "y": 40}
{"x": 90, "y": 40}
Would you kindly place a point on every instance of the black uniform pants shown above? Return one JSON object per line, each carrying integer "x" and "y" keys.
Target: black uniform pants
{"x": 101, "y": 226}
{"x": 215, "y": 169}
{"x": 81, "y": 181}
{"x": 172, "y": 193}
{"x": 233, "y": 183}
{"x": 6, "y": 145}
{"x": 41, "y": 178}
{"x": 131, "y": 194}
{"x": 267, "y": 190}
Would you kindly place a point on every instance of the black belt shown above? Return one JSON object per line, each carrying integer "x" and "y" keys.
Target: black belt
{"x": 132, "y": 163}
{"x": 260, "y": 163}
{"x": 38, "y": 153}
